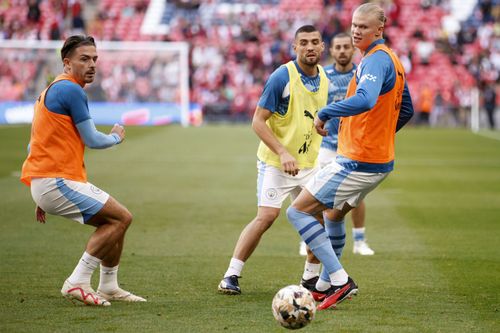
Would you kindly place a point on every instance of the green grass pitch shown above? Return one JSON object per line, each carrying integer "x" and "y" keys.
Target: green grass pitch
{"x": 434, "y": 224}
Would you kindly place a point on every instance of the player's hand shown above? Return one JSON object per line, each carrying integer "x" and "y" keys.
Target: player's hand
{"x": 289, "y": 163}
{"x": 320, "y": 126}
{"x": 40, "y": 214}
{"x": 118, "y": 129}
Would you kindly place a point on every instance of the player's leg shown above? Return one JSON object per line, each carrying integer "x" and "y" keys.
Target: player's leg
{"x": 335, "y": 227}
{"x": 325, "y": 157}
{"x": 303, "y": 249}
{"x": 335, "y": 230}
{"x": 273, "y": 187}
{"x": 350, "y": 188}
{"x": 312, "y": 266}
{"x": 331, "y": 188}
{"x": 334, "y": 284}
{"x": 111, "y": 223}
{"x": 246, "y": 244}
{"x": 301, "y": 215}
{"x": 360, "y": 246}
{"x": 252, "y": 233}
{"x": 77, "y": 201}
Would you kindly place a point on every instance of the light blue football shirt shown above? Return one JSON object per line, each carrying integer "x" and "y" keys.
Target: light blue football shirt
{"x": 337, "y": 89}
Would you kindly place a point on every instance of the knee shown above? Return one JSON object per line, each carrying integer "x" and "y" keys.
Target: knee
{"x": 330, "y": 215}
{"x": 127, "y": 218}
{"x": 123, "y": 220}
{"x": 265, "y": 221}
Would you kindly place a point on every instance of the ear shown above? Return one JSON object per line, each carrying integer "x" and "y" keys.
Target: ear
{"x": 66, "y": 62}
{"x": 380, "y": 31}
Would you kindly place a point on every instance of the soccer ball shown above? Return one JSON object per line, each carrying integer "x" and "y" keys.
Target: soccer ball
{"x": 294, "y": 307}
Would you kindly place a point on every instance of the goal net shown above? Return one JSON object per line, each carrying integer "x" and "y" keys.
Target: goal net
{"x": 137, "y": 83}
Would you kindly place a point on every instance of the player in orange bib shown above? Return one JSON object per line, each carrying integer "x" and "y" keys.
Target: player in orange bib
{"x": 377, "y": 104}
{"x": 55, "y": 171}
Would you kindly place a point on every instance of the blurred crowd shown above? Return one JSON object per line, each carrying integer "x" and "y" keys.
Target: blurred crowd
{"x": 236, "y": 44}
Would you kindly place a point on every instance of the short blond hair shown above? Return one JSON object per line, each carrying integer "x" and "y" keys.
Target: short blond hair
{"x": 372, "y": 9}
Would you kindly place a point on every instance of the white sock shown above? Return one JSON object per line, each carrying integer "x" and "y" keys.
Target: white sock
{"x": 322, "y": 285}
{"x": 310, "y": 270}
{"x": 235, "y": 267}
{"x": 108, "y": 282}
{"x": 339, "y": 277}
{"x": 358, "y": 234}
{"x": 83, "y": 271}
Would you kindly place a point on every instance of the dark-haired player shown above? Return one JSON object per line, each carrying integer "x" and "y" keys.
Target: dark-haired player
{"x": 289, "y": 144}
{"x": 55, "y": 171}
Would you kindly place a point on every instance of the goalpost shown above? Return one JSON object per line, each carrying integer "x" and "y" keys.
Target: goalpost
{"x": 475, "y": 119}
{"x": 137, "y": 83}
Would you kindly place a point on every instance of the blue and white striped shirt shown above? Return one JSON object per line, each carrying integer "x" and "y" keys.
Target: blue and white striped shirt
{"x": 336, "y": 92}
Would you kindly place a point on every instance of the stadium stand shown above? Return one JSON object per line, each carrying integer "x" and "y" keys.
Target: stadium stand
{"x": 236, "y": 44}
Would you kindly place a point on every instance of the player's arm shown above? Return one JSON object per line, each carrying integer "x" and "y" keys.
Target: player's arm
{"x": 74, "y": 100}
{"x": 98, "y": 140}
{"x": 259, "y": 125}
{"x": 372, "y": 77}
{"x": 406, "y": 111}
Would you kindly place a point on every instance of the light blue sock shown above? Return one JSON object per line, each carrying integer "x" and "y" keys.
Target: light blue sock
{"x": 336, "y": 234}
{"x": 358, "y": 234}
{"x": 315, "y": 236}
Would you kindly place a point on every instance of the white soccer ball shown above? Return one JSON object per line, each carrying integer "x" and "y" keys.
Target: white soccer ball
{"x": 294, "y": 307}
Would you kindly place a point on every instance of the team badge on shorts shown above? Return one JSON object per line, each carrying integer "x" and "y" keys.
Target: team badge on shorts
{"x": 95, "y": 189}
{"x": 271, "y": 194}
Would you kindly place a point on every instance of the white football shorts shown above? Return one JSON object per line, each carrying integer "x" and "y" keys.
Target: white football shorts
{"x": 335, "y": 185}
{"x": 274, "y": 185}
{"x": 73, "y": 200}
{"x": 326, "y": 156}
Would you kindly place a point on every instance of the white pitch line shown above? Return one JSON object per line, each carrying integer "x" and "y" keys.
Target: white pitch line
{"x": 489, "y": 134}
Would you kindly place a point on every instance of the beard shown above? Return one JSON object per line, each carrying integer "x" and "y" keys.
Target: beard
{"x": 343, "y": 61}
{"x": 310, "y": 61}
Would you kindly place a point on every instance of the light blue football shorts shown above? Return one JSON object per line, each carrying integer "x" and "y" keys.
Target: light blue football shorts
{"x": 274, "y": 185}
{"x": 63, "y": 197}
{"x": 335, "y": 185}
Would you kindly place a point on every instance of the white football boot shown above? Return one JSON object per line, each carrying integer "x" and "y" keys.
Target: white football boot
{"x": 83, "y": 293}
{"x": 362, "y": 248}
{"x": 121, "y": 295}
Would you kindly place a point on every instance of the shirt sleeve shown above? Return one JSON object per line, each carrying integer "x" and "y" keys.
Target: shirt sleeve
{"x": 406, "y": 111}
{"x": 71, "y": 100}
{"x": 95, "y": 139}
{"x": 273, "y": 89}
{"x": 372, "y": 74}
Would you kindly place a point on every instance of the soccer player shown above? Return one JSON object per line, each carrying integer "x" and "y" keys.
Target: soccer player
{"x": 377, "y": 104}
{"x": 55, "y": 171}
{"x": 340, "y": 73}
{"x": 288, "y": 150}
